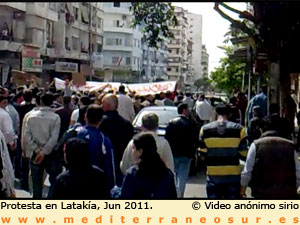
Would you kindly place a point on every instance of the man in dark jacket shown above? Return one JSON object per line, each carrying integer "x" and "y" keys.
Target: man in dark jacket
{"x": 272, "y": 169}
{"x": 64, "y": 113}
{"x": 182, "y": 137}
{"x": 100, "y": 148}
{"x": 117, "y": 129}
{"x": 81, "y": 180}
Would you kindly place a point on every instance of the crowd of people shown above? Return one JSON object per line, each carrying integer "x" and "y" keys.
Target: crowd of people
{"x": 86, "y": 143}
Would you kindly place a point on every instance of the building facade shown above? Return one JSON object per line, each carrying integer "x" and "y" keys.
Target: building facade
{"x": 195, "y": 34}
{"x": 204, "y": 62}
{"x": 122, "y": 44}
{"x": 51, "y": 39}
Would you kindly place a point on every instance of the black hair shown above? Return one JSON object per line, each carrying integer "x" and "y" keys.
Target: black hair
{"x": 77, "y": 154}
{"x": 223, "y": 109}
{"x": 47, "y": 99}
{"x": 188, "y": 94}
{"x": 182, "y": 107}
{"x": 146, "y": 142}
{"x": 27, "y": 95}
{"x": 85, "y": 100}
{"x": 168, "y": 94}
{"x": 94, "y": 113}
{"x": 179, "y": 97}
{"x": 67, "y": 100}
{"x": 122, "y": 89}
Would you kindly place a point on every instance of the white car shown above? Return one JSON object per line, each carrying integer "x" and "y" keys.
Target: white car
{"x": 164, "y": 113}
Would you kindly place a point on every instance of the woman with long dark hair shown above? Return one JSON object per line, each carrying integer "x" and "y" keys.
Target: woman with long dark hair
{"x": 149, "y": 177}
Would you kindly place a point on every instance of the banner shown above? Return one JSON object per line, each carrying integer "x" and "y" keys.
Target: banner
{"x": 66, "y": 67}
{"x": 139, "y": 88}
{"x": 32, "y": 65}
{"x": 151, "y": 212}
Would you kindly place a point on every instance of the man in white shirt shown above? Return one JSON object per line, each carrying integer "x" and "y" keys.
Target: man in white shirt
{"x": 150, "y": 123}
{"x": 204, "y": 110}
{"x": 125, "y": 105}
{"x": 6, "y": 125}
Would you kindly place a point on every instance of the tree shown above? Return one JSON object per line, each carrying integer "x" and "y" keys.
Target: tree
{"x": 155, "y": 19}
{"x": 202, "y": 83}
{"x": 229, "y": 75}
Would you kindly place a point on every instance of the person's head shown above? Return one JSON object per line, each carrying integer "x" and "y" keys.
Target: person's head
{"x": 150, "y": 122}
{"x": 145, "y": 153}
{"x": 162, "y": 95}
{"x": 274, "y": 108}
{"x": 110, "y": 102}
{"x": 67, "y": 100}
{"x": 257, "y": 112}
{"x": 94, "y": 115}
{"x": 58, "y": 97}
{"x": 47, "y": 99}
{"x": 201, "y": 97}
{"x": 84, "y": 100}
{"x": 27, "y": 95}
{"x": 76, "y": 153}
{"x": 150, "y": 98}
{"x": 179, "y": 98}
{"x": 169, "y": 94}
{"x": 75, "y": 99}
{"x": 3, "y": 97}
{"x": 183, "y": 109}
{"x": 264, "y": 89}
{"x": 122, "y": 89}
{"x": 223, "y": 110}
{"x": 188, "y": 94}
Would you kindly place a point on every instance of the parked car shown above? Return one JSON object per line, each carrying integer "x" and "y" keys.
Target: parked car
{"x": 164, "y": 113}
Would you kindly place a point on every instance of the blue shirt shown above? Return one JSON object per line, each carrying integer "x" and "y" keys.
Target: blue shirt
{"x": 100, "y": 151}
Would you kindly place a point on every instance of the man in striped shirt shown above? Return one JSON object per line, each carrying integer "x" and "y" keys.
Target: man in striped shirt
{"x": 222, "y": 145}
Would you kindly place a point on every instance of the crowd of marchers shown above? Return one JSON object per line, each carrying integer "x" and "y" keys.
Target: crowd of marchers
{"x": 85, "y": 142}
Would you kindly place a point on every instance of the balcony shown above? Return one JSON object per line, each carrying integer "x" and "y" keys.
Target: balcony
{"x": 117, "y": 48}
{"x": 41, "y": 11}
{"x": 15, "y": 5}
{"x": 126, "y": 30}
{"x": 123, "y": 11}
{"x": 10, "y": 46}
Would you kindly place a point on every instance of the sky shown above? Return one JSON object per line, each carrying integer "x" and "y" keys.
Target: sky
{"x": 214, "y": 26}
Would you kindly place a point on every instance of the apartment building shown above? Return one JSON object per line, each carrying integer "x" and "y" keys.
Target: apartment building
{"x": 177, "y": 47}
{"x": 51, "y": 39}
{"x": 155, "y": 62}
{"x": 195, "y": 35}
{"x": 204, "y": 61}
{"x": 122, "y": 44}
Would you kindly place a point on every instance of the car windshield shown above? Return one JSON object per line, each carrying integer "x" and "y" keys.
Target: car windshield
{"x": 164, "y": 115}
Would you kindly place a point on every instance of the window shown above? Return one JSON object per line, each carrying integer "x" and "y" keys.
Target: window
{"x": 169, "y": 69}
{"x": 177, "y": 51}
{"x": 75, "y": 43}
{"x": 117, "y": 4}
{"x": 99, "y": 48}
{"x": 113, "y": 41}
{"x": 177, "y": 69}
{"x": 134, "y": 62}
{"x": 75, "y": 12}
{"x": 52, "y": 6}
{"x": 118, "y": 23}
{"x": 115, "y": 60}
{"x": 128, "y": 60}
{"x": 99, "y": 23}
{"x": 124, "y": 17}
{"x": 67, "y": 43}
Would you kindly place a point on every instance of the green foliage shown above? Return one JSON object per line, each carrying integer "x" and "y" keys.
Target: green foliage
{"x": 229, "y": 74}
{"x": 203, "y": 84}
{"x": 155, "y": 19}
